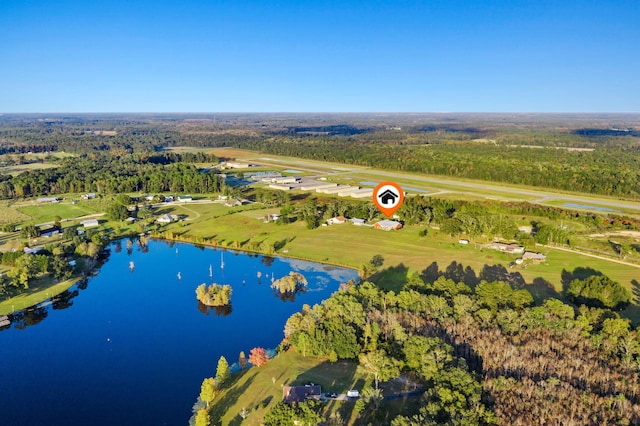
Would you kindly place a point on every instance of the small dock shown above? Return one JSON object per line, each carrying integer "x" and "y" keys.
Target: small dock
{"x": 4, "y": 321}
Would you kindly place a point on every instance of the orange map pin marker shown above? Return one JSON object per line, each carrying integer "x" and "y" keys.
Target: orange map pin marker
{"x": 388, "y": 197}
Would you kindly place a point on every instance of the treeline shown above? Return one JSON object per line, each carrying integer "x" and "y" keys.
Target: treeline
{"x": 108, "y": 174}
{"x": 613, "y": 172}
{"x": 547, "y": 364}
{"x": 482, "y": 150}
{"x": 376, "y": 329}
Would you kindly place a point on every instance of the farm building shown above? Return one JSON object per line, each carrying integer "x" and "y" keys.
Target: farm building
{"x": 388, "y": 225}
{"x": 280, "y": 187}
{"x": 362, "y": 193}
{"x": 505, "y": 247}
{"x": 337, "y": 220}
{"x": 167, "y": 218}
{"x": 90, "y": 223}
{"x": 49, "y": 200}
{"x": 538, "y": 257}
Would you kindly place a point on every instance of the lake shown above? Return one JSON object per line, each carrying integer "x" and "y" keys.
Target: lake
{"x": 131, "y": 347}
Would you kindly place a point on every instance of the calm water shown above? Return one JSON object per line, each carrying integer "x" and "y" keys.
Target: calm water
{"x": 131, "y": 348}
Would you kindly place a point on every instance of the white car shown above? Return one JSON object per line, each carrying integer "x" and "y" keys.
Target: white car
{"x": 353, "y": 394}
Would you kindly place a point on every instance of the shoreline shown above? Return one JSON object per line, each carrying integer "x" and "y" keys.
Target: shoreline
{"x": 16, "y": 304}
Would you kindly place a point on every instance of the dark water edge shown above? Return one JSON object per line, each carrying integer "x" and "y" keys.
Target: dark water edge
{"x": 131, "y": 347}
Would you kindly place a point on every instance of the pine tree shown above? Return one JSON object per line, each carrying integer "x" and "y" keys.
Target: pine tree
{"x": 208, "y": 390}
{"x": 222, "y": 372}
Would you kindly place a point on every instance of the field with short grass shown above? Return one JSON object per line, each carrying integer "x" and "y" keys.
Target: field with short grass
{"x": 259, "y": 388}
{"x": 39, "y": 291}
{"x": 66, "y": 210}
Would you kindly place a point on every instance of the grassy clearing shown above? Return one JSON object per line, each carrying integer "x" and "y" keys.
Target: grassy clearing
{"x": 353, "y": 246}
{"x": 9, "y": 213}
{"x": 66, "y": 210}
{"x": 259, "y": 388}
{"x": 39, "y": 291}
{"x": 19, "y": 168}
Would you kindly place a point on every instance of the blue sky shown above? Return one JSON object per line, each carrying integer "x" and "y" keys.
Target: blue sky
{"x": 317, "y": 56}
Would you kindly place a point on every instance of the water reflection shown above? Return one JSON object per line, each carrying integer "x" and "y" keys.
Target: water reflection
{"x": 289, "y": 296}
{"x": 32, "y": 316}
{"x": 64, "y": 299}
{"x": 219, "y": 311}
{"x": 267, "y": 260}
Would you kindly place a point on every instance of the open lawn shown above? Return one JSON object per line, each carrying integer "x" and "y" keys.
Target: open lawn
{"x": 259, "y": 388}
{"x": 9, "y": 213}
{"x": 39, "y": 291}
{"x": 19, "y": 168}
{"x": 352, "y": 246}
{"x": 66, "y": 210}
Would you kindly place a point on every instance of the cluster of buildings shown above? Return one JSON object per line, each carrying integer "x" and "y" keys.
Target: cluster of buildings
{"x": 384, "y": 225}
{"x": 297, "y": 183}
{"x": 517, "y": 249}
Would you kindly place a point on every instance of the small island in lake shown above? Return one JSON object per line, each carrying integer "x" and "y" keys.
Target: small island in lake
{"x": 291, "y": 283}
{"x": 214, "y": 295}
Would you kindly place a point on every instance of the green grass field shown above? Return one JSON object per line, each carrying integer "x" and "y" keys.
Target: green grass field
{"x": 259, "y": 388}
{"x": 352, "y": 245}
{"x": 9, "y": 213}
{"x": 19, "y": 168}
{"x": 39, "y": 291}
{"x": 66, "y": 210}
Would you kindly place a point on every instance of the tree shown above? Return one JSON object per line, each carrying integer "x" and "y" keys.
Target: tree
{"x": 290, "y": 283}
{"x": 222, "y": 372}
{"x": 242, "y": 360}
{"x": 304, "y": 413}
{"x": 380, "y": 365}
{"x": 377, "y": 261}
{"x": 26, "y": 267}
{"x": 29, "y": 231}
{"x": 372, "y": 397}
{"x": 203, "y": 418}
{"x": 214, "y": 295}
{"x": 427, "y": 355}
{"x": 118, "y": 212}
{"x": 208, "y": 390}
{"x": 258, "y": 357}
{"x": 61, "y": 268}
{"x": 599, "y": 291}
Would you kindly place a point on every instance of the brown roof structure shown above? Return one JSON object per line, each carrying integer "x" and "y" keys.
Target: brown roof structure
{"x": 299, "y": 393}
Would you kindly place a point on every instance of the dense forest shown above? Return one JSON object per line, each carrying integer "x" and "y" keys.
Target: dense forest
{"x": 572, "y": 153}
{"x": 484, "y": 353}
{"x": 110, "y": 174}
